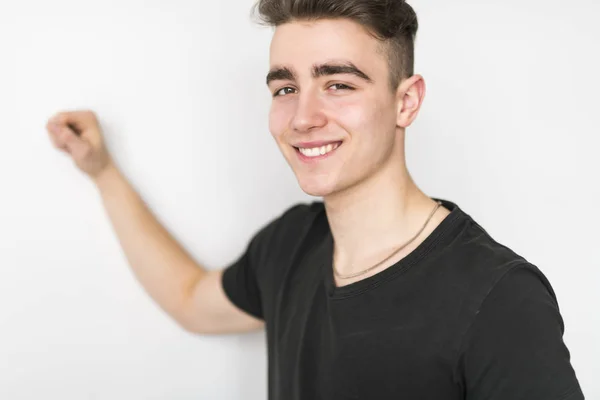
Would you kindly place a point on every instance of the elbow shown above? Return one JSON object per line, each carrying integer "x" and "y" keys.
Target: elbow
{"x": 195, "y": 324}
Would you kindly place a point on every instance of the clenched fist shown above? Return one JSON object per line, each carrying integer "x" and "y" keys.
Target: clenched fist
{"x": 78, "y": 134}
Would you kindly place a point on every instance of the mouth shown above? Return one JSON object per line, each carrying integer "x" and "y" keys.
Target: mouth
{"x": 312, "y": 153}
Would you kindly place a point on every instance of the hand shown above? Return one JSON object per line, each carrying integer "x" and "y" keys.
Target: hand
{"x": 78, "y": 134}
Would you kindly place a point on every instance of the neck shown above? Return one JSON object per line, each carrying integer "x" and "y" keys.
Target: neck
{"x": 369, "y": 220}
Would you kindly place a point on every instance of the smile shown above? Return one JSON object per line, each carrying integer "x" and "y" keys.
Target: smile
{"x": 318, "y": 151}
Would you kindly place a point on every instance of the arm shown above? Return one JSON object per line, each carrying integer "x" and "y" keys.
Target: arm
{"x": 189, "y": 293}
{"x": 192, "y": 295}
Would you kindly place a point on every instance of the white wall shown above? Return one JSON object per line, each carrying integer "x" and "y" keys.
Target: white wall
{"x": 508, "y": 130}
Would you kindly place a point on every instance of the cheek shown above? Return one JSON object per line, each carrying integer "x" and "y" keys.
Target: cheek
{"x": 362, "y": 119}
{"x": 279, "y": 118}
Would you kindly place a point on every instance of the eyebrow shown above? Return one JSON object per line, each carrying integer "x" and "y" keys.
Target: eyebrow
{"x": 319, "y": 70}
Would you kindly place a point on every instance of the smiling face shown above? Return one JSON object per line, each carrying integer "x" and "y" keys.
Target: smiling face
{"x": 333, "y": 114}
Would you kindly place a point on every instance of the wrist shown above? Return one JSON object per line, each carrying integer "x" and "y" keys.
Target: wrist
{"x": 107, "y": 175}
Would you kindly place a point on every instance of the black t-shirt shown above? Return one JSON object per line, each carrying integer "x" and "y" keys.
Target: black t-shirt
{"x": 460, "y": 317}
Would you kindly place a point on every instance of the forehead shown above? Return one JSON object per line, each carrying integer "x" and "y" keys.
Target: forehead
{"x": 302, "y": 44}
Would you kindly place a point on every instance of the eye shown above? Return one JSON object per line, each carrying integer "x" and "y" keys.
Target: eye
{"x": 341, "y": 86}
{"x": 279, "y": 92}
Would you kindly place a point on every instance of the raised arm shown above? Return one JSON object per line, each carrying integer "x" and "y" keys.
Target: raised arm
{"x": 189, "y": 293}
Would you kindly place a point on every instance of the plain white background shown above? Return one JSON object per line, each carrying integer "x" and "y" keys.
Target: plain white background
{"x": 508, "y": 131}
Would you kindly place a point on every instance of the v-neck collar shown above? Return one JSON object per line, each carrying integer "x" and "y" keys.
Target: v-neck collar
{"x": 325, "y": 255}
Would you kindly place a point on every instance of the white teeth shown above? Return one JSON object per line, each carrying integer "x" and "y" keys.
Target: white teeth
{"x": 318, "y": 151}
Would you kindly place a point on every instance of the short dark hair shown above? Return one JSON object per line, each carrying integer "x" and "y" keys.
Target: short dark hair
{"x": 393, "y": 22}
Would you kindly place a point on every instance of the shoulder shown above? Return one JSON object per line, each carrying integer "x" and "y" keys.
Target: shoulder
{"x": 286, "y": 229}
{"x": 294, "y": 219}
{"x": 516, "y": 337}
{"x": 506, "y": 315}
{"x": 300, "y": 214}
{"x": 479, "y": 261}
{"x": 474, "y": 269}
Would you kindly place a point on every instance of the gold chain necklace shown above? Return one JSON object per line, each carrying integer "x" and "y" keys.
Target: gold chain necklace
{"x": 354, "y": 275}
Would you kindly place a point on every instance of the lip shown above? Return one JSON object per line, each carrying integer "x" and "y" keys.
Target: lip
{"x": 317, "y": 143}
{"x": 311, "y": 160}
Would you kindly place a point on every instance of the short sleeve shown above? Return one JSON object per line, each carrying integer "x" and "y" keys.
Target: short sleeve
{"x": 248, "y": 282}
{"x": 514, "y": 348}
{"x": 240, "y": 282}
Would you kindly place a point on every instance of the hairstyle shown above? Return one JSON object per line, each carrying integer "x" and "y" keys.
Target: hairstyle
{"x": 393, "y": 22}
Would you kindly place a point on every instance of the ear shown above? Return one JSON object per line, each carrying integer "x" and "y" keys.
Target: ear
{"x": 409, "y": 97}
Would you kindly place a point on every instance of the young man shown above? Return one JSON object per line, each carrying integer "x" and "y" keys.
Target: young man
{"x": 378, "y": 292}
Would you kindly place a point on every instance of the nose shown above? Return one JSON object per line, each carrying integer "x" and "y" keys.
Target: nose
{"x": 309, "y": 113}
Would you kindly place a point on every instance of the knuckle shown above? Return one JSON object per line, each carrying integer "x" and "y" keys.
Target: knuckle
{"x": 86, "y": 152}
{"x": 54, "y": 137}
{"x": 59, "y": 117}
{"x": 92, "y": 116}
{"x": 57, "y": 142}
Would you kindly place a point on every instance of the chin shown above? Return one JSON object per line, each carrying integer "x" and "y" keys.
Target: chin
{"x": 316, "y": 187}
